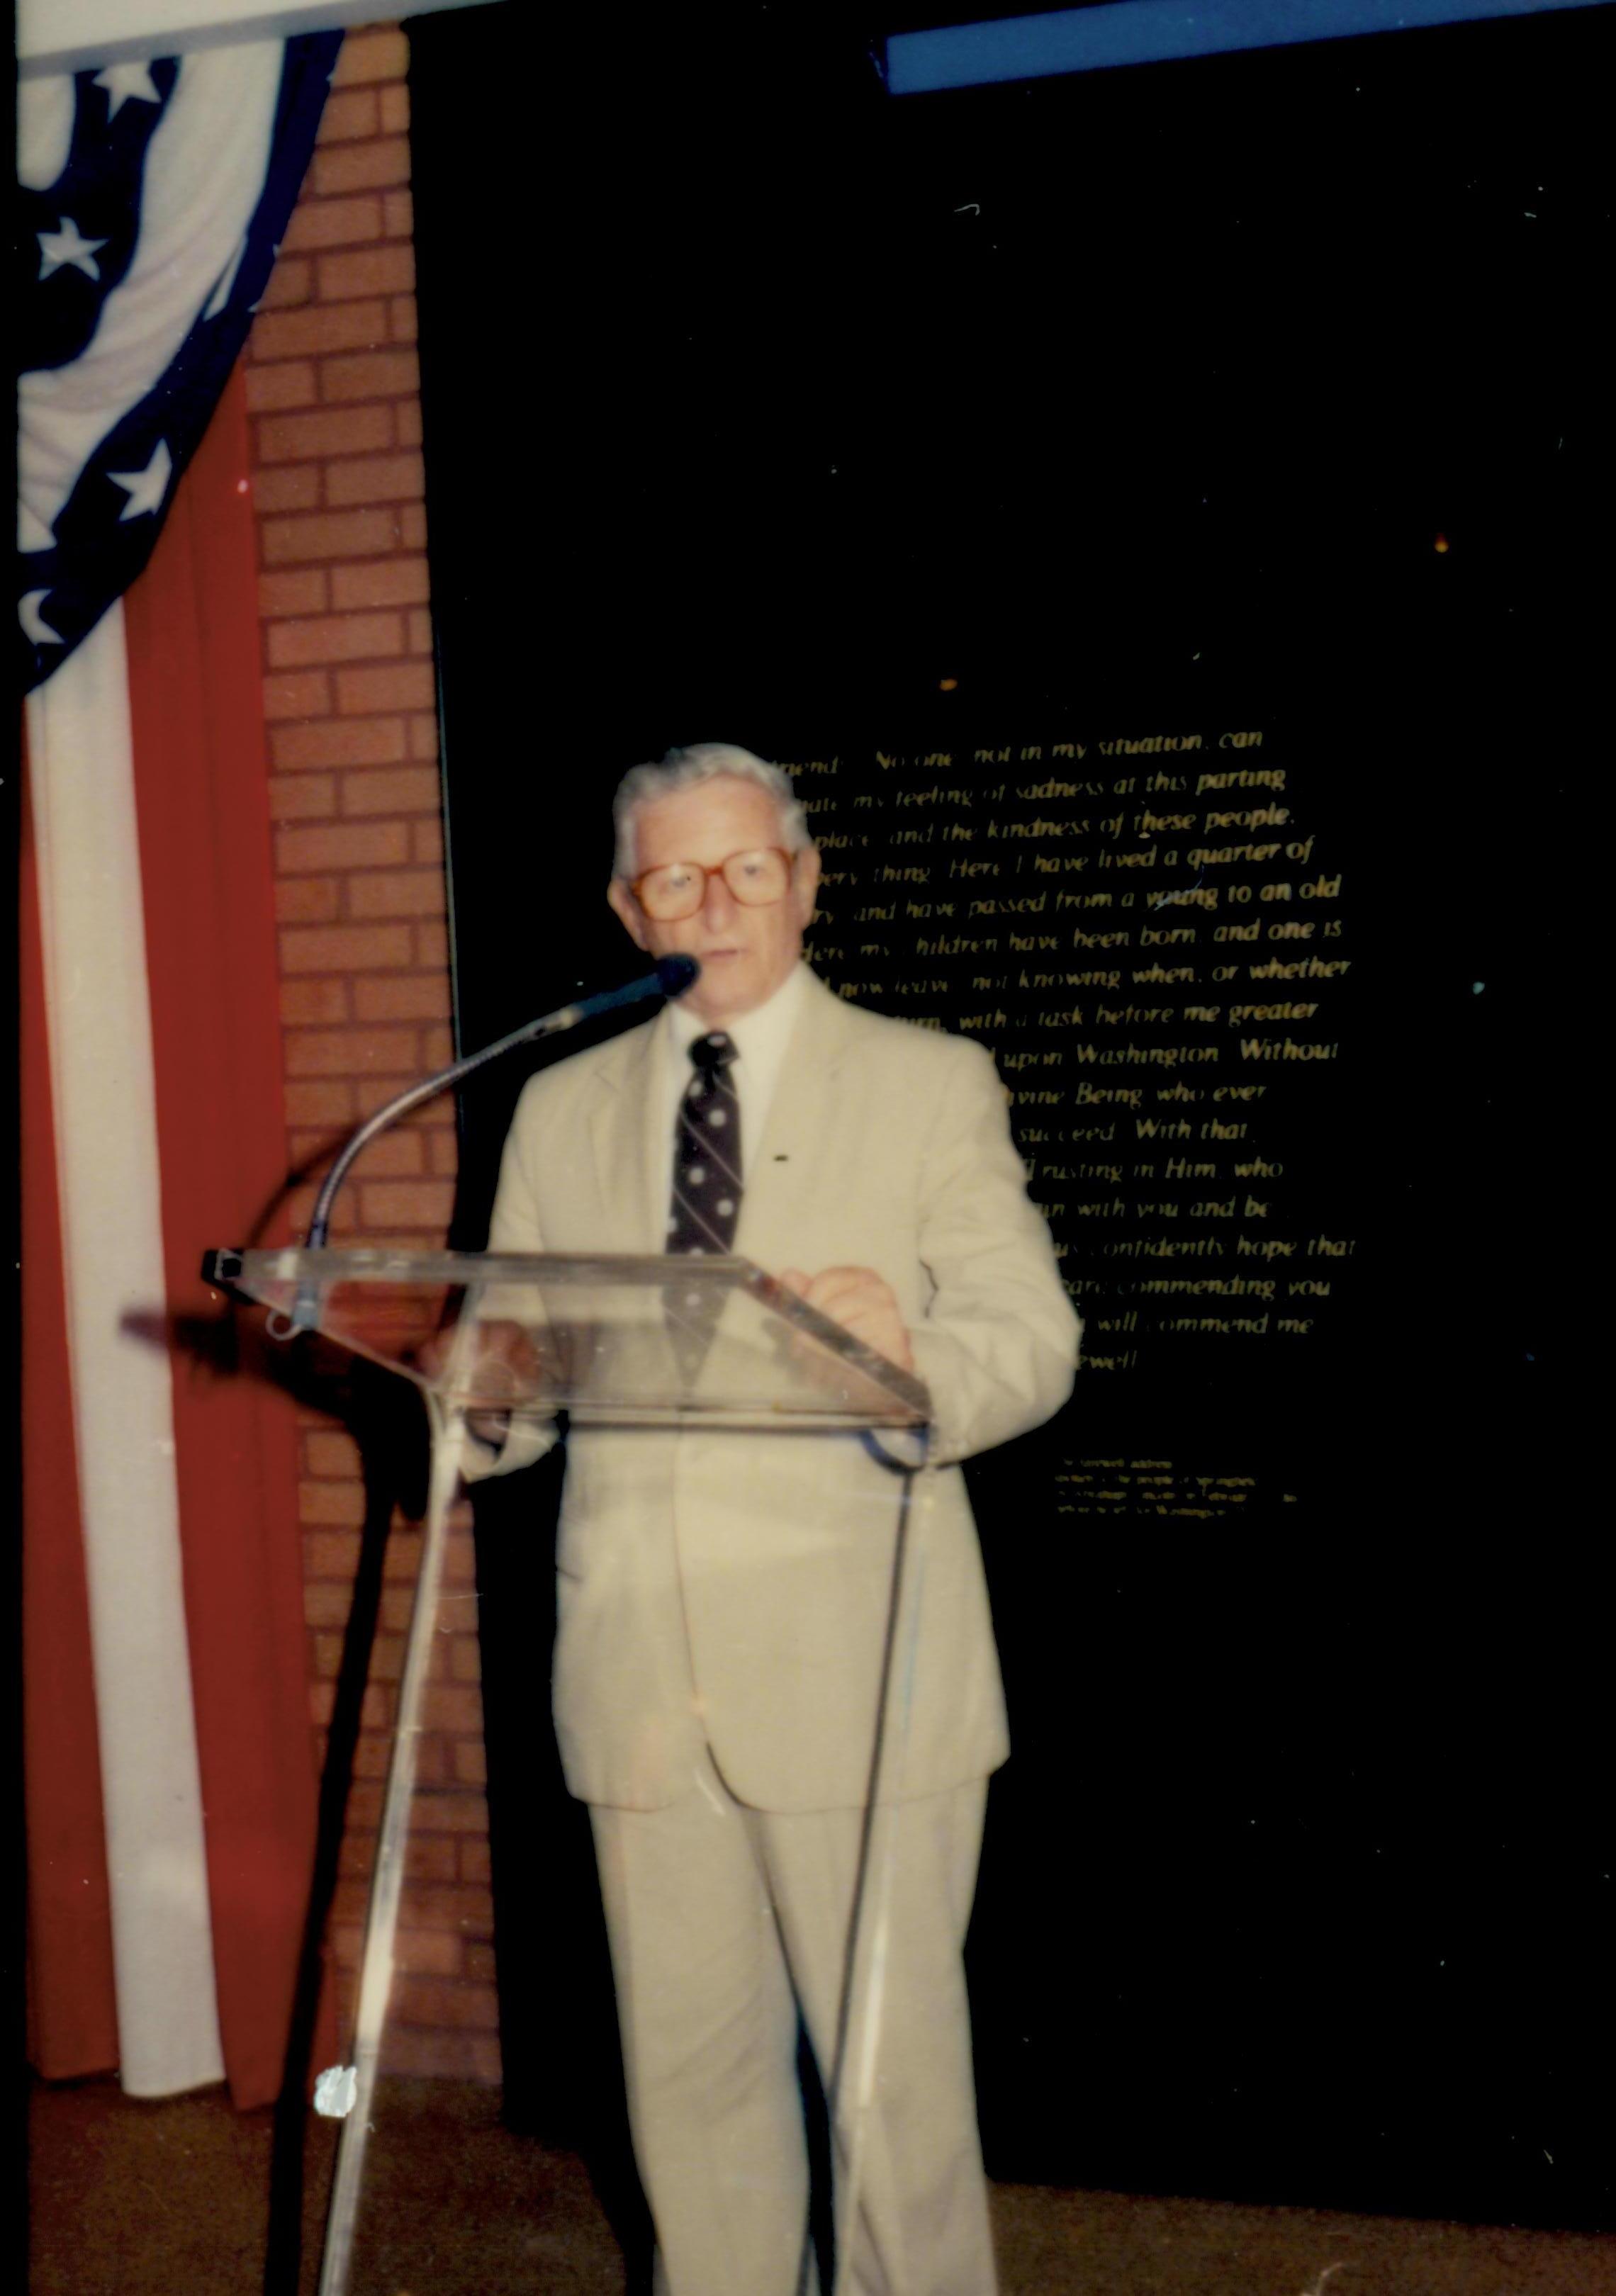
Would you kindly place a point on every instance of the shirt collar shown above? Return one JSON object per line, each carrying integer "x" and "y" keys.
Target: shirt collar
{"x": 759, "y": 1036}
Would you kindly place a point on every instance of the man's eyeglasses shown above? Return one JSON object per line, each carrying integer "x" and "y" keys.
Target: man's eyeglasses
{"x": 678, "y": 887}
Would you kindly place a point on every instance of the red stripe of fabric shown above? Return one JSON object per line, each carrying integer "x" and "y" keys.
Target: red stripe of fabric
{"x": 72, "y": 2001}
{"x": 202, "y": 803}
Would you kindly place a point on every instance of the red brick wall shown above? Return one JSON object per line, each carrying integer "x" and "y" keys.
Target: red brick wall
{"x": 348, "y": 691}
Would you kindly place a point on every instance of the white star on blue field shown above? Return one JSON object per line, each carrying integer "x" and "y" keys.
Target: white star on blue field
{"x": 67, "y": 244}
{"x": 145, "y": 488}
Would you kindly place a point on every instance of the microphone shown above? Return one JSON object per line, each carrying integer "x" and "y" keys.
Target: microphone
{"x": 676, "y": 974}
{"x": 672, "y": 977}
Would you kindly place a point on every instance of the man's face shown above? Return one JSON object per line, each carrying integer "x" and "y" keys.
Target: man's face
{"x": 745, "y": 952}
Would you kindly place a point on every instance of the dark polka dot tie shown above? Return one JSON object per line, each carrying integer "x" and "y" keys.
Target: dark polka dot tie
{"x": 706, "y": 1188}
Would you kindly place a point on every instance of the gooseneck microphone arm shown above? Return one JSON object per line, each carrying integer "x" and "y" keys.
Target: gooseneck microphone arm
{"x": 672, "y": 977}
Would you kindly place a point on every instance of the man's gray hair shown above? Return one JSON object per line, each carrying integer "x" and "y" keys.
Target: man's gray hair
{"x": 702, "y": 761}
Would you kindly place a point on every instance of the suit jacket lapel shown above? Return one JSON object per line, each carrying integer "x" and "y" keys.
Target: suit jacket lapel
{"x": 631, "y": 1159}
{"x": 779, "y": 1191}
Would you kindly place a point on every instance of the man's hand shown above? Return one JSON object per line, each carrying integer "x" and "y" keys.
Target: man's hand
{"x": 862, "y": 1302}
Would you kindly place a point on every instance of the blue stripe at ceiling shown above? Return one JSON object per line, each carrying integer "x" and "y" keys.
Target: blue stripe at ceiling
{"x": 1156, "y": 31}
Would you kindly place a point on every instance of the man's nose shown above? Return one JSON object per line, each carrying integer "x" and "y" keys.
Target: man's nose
{"x": 717, "y": 902}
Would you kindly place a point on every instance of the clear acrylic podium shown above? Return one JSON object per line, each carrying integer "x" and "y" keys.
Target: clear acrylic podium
{"x": 608, "y": 1339}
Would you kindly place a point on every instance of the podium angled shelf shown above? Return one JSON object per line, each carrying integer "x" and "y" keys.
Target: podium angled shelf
{"x": 595, "y": 1334}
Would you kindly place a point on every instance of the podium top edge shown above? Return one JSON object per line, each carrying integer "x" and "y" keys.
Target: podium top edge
{"x": 384, "y": 1264}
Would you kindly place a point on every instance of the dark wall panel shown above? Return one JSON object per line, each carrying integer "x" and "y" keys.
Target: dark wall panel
{"x": 1005, "y": 463}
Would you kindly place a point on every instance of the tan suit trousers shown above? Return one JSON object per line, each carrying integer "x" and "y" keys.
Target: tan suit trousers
{"x": 722, "y": 1919}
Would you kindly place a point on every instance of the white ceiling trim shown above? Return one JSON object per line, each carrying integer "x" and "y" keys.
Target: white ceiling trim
{"x": 65, "y": 35}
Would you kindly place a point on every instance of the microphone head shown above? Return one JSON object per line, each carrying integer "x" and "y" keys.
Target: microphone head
{"x": 677, "y": 974}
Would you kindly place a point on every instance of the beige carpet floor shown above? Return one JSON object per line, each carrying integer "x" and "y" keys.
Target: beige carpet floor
{"x": 172, "y": 2199}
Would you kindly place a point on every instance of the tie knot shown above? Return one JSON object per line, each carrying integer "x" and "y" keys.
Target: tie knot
{"x": 712, "y": 1052}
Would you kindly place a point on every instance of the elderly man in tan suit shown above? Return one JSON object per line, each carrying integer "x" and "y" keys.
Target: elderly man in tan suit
{"x": 723, "y": 1598}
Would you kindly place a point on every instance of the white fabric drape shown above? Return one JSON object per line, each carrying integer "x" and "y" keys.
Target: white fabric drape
{"x": 82, "y": 791}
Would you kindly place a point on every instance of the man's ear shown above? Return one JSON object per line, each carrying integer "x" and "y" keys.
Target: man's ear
{"x": 627, "y": 910}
